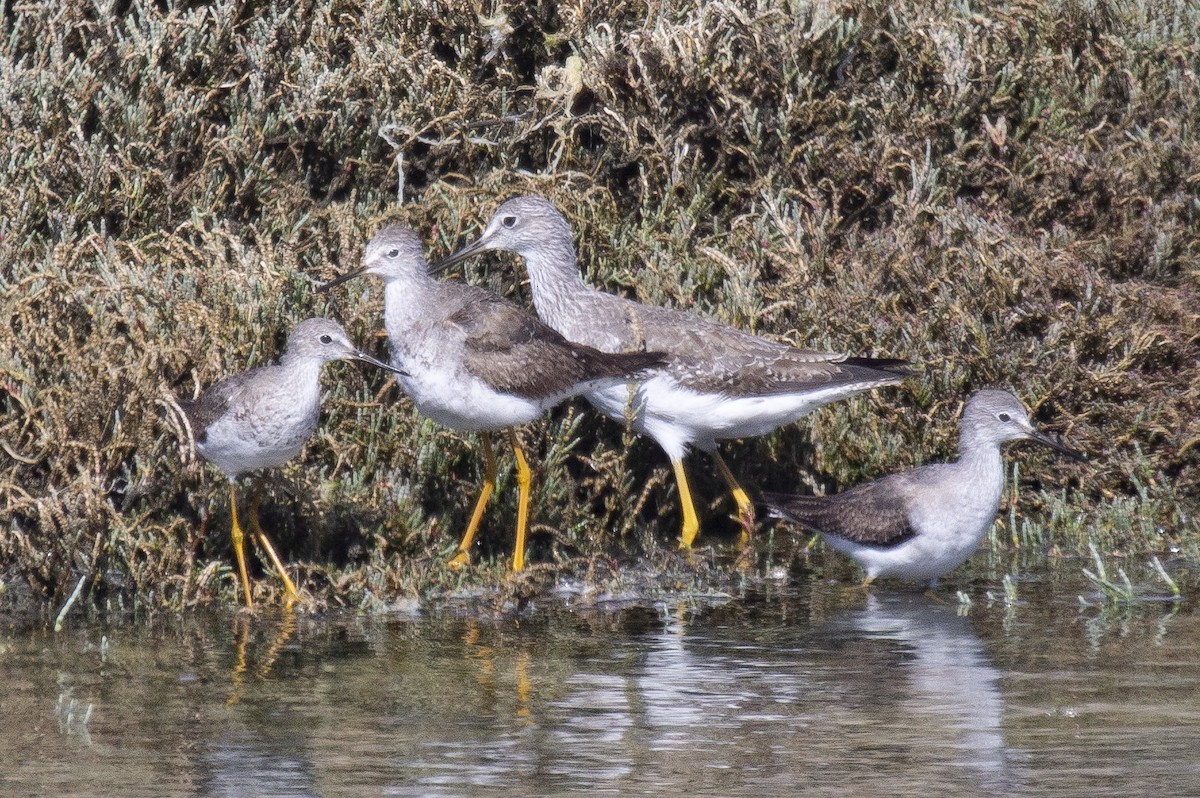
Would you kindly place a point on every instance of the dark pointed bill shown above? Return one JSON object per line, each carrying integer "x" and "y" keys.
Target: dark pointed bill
{"x": 472, "y": 249}
{"x": 336, "y": 281}
{"x": 364, "y": 357}
{"x": 1046, "y": 440}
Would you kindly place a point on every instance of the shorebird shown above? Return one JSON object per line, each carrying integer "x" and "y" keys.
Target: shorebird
{"x": 718, "y": 382}
{"x": 478, "y": 363}
{"x": 262, "y": 418}
{"x": 918, "y": 524}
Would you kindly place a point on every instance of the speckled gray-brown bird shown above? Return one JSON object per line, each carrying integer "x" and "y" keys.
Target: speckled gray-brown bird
{"x": 262, "y": 418}
{"x": 919, "y": 524}
{"x": 476, "y": 362}
{"x": 717, "y": 383}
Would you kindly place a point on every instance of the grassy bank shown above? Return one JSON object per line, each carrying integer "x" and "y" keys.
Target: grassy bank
{"x": 1006, "y": 196}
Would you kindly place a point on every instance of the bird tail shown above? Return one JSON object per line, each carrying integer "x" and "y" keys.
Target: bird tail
{"x": 627, "y": 364}
{"x": 790, "y": 507}
{"x": 889, "y": 366}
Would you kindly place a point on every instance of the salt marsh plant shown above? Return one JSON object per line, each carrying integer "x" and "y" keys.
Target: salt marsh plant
{"x": 1008, "y": 196}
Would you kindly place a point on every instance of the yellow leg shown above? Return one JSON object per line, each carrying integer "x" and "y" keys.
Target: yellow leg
{"x": 239, "y": 544}
{"x": 291, "y": 596}
{"x": 691, "y": 525}
{"x": 463, "y": 555}
{"x": 286, "y": 626}
{"x": 745, "y": 506}
{"x": 238, "y": 675}
{"x": 524, "y": 478}
{"x": 524, "y": 684}
{"x": 866, "y": 583}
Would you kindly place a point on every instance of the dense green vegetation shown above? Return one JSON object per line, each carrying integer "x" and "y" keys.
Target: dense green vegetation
{"x": 1007, "y": 195}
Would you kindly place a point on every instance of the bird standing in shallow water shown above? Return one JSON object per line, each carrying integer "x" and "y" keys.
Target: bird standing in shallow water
{"x": 477, "y": 362}
{"x": 262, "y": 418}
{"x": 919, "y": 524}
{"x": 718, "y": 382}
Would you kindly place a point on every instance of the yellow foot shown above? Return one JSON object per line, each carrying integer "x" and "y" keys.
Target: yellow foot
{"x": 745, "y": 519}
{"x": 745, "y": 507}
{"x": 459, "y": 561}
{"x": 745, "y": 516}
{"x": 745, "y": 558}
{"x": 691, "y": 528}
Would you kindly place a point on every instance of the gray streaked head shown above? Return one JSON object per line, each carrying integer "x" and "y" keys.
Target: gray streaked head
{"x": 325, "y": 340}
{"x": 524, "y": 225}
{"x": 394, "y": 253}
{"x": 993, "y": 417}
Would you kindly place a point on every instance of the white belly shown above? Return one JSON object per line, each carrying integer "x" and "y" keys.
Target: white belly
{"x": 949, "y": 531}
{"x": 677, "y": 417}
{"x": 465, "y": 403}
{"x": 269, "y": 442}
{"x": 917, "y": 560}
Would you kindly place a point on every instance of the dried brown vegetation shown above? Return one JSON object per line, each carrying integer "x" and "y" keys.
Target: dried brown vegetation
{"x": 1007, "y": 197}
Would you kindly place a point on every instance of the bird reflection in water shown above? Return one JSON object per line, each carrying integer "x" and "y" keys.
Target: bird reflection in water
{"x": 242, "y": 637}
{"x": 950, "y": 681}
{"x": 485, "y": 655}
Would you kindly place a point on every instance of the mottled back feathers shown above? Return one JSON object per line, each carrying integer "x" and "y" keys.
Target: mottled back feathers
{"x": 215, "y": 402}
{"x": 872, "y": 514}
{"x": 513, "y": 352}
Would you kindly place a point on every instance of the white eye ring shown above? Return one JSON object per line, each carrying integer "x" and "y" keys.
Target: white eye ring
{"x": 326, "y": 339}
{"x": 394, "y": 253}
{"x": 509, "y": 221}
{"x": 1004, "y": 417}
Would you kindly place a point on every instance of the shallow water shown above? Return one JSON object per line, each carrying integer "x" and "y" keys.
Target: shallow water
{"x": 808, "y": 688}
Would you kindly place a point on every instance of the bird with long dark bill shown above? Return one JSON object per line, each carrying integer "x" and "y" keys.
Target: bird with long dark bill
{"x": 262, "y": 418}
{"x": 717, "y": 383}
{"x": 478, "y": 363}
{"x": 919, "y": 524}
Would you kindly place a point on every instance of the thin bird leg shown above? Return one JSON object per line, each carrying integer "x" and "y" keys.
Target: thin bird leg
{"x": 524, "y": 478}
{"x": 287, "y": 625}
{"x": 745, "y": 506}
{"x": 291, "y": 596}
{"x": 524, "y": 684}
{"x": 691, "y": 525}
{"x": 239, "y": 545}
{"x": 463, "y": 555}
{"x": 238, "y": 674}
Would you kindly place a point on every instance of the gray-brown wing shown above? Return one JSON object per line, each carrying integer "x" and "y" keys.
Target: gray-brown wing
{"x": 214, "y": 402}
{"x": 762, "y": 374}
{"x": 873, "y": 514}
{"x": 515, "y": 353}
{"x": 711, "y": 357}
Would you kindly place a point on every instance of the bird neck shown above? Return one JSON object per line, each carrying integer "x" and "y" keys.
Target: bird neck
{"x": 554, "y": 278}
{"x": 406, "y": 303}
{"x": 302, "y": 374}
{"x": 981, "y": 464}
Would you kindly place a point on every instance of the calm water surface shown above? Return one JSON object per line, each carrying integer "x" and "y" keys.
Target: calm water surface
{"x": 803, "y": 689}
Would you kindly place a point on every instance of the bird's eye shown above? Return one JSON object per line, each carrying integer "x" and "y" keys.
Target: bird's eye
{"x": 326, "y": 339}
{"x": 393, "y": 253}
{"x": 1005, "y": 417}
{"x": 509, "y": 221}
